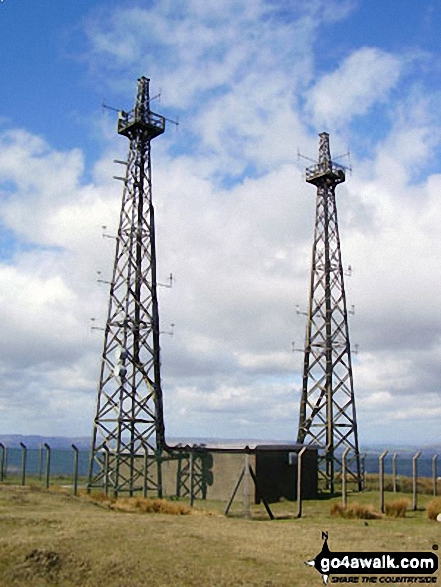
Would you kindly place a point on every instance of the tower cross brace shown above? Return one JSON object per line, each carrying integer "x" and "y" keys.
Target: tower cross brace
{"x": 129, "y": 422}
{"x": 327, "y": 408}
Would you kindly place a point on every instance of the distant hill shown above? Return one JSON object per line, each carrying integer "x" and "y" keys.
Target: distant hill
{"x": 35, "y": 441}
{"x": 83, "y": 443}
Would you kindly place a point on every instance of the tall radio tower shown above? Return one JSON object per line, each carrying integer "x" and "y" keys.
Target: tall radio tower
{"x": 129, "y": 414}
{"x": 327, "y": 409}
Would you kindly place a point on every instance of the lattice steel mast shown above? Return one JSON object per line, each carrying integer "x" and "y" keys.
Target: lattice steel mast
{"x": 129, "y": 415}
{"x": 327, "y": 409}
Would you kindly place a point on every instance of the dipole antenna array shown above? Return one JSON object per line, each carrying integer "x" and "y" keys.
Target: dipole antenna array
{"x": 327, "y": 408}
{"x": 129, "y": 422}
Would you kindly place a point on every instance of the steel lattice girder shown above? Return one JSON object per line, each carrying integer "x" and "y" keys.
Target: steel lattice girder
{"x": 327, "y": 411}
{"x": 129, "y": 415}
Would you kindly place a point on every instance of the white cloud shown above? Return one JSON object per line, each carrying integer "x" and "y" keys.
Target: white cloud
{"x": 231, "y": 408}
{"x": 234, "y": 224}
{"x": 364, "y": 78}
{"x": 265, "y": 362}
{"x": 232, "y": 73}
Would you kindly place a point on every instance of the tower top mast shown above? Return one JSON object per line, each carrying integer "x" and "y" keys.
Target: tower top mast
{"x": 141, "y": 119}
{"x": 326, "y": 170}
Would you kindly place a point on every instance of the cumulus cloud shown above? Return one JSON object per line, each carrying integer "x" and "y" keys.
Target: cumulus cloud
{"x": 365, "y": 77}
{"x": 234, "y": 224}
{"x": 233, "y": 74}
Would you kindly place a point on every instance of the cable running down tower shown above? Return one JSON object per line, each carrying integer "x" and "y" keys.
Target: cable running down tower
{"x": 129, "y": 420}
{"x": 327, "y": 409}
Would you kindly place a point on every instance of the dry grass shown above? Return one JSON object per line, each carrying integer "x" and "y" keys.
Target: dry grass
{"x": 35, "y": 487}
{"x": 397, "y": 508}
{"x": 434, "y": 508}
{"x": 50, "y": 539}
{"x": 137, "y": 504}
{"x": 97, "y": 497}
{"x": 150, "y": 506}
{"x": 354, "y": 511}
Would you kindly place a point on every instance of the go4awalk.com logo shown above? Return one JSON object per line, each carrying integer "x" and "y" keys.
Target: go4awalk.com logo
{"x": 374, "y": 567}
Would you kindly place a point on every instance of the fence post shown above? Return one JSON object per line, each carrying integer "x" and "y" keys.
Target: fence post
{"x": 394, "y": 472}
{"x": 48, "y": 464}
{"x": 415, "y": 458}
{"x": 5, "y": 472}
{"x": 40, "y": 462}
{"x": 159, "y": 470}
{"x": 381, "y": 478}
{"x": 146, "y": 471}
{"x": 23, "y": 463}
{"x": 75, "y": 470}
{"x": 434, "y": 475}
{"x": 363, "y": 470}
{"x": 178, "y": 475}
{"x": 2, "y": 462}
{"x": 344, "y": 495}
{"x": 191, "y": 478}
{"x": 246, "y": 488}
{"x": 106, "y": 469}
{"x": 299, "y": 482}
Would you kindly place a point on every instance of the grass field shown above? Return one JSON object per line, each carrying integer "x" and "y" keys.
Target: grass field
{"x": 52, "y": 538}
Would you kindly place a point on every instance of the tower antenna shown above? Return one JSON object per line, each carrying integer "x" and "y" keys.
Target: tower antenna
{"x": 129, "y": 421}
{"x": 327, "y": 408}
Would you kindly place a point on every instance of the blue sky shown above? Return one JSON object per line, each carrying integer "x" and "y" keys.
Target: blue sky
{"x": 251, "y": 82}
